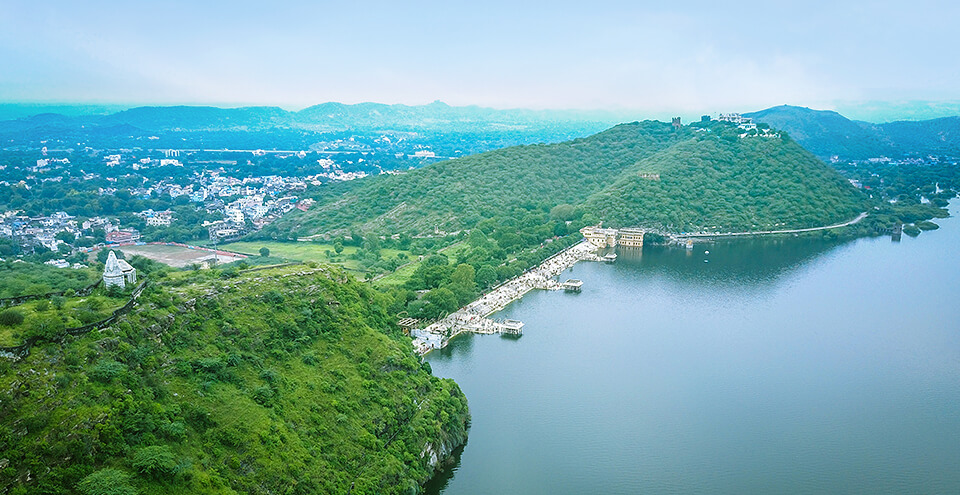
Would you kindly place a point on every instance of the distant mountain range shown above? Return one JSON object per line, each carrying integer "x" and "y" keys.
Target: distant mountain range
{"x": 323, "y": 117}
{"x": 438, "y": 126}
{"x": 826, "y": 134}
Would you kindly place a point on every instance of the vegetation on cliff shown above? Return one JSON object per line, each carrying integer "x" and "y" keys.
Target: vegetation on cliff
{"x": 291, "y": 380}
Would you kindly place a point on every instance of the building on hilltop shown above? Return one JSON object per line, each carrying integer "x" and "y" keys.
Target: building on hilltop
{"x": 118, "y": 272}
{"x": 745, "y": 123}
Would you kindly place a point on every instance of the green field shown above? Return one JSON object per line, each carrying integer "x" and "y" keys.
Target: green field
{"x": 310, "y": 251}
{"x": 296, "y": 251}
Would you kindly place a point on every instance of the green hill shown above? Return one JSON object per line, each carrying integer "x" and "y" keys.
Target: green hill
{"x": 709, "y": 176}
{"x": 278, "y": 381}
{"x": 729, "y": 185}
{"x": 827, "y": 134}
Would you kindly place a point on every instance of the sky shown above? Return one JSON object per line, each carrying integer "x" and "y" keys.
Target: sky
{"x": 877, "y": 58}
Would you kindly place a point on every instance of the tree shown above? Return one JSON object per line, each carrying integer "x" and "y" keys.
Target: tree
{"x": 562, "y": 212}
{"x": 45, "y": 326}
{"x": 107, "y": 481}
{"x": 338, "y": 247}
{"x": 464, "y": 276}
{"x": 65, "y": 236}
{"x": 486, "y": 276}
{"x": 264, "y": 252}
{"x": 463, "y": 283}
{"x": 439, "y": 302}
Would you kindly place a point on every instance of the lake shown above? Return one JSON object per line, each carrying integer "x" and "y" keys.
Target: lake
{"x": 784, "y": 365}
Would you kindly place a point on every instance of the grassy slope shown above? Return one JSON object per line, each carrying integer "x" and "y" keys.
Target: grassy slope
{"x": 256, "y": 385}
{"x": 18, "y": 279}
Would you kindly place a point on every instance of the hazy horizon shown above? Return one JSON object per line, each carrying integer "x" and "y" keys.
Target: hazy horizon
{"x": 876, "y": 62}
{"x": 874, "y": 112}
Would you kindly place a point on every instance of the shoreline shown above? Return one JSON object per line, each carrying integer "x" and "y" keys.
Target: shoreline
{"x": 474, "y": 317}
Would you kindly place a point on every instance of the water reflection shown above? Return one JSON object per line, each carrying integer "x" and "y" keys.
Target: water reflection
{"x": 730, "y": 261}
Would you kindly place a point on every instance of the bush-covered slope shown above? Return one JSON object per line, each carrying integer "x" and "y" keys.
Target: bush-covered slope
{"x": 278, "y": 381}
{"x": 728, "y": 184}
{"x": 710, "y": 178}
{"x": 458, "y": 193}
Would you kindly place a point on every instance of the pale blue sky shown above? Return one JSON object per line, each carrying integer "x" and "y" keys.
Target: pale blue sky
{"x": 656, "y": 57}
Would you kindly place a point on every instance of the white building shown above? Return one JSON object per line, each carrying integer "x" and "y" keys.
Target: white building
{"x": 159, "y": 221}
{"x": 118, "y": 272}
{"x": 234, "y": 215}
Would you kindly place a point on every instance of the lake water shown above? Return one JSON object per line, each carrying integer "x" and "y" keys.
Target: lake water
{"x": 773, "y": 366}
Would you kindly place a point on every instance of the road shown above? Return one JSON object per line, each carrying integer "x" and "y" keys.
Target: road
{"x": 766, "y": 232}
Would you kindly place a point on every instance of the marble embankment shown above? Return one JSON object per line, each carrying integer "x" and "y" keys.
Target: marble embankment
{"x": 474, "y": 317}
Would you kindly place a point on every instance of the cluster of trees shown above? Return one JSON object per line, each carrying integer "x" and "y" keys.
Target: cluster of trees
{"x": 497, "y": 249}
{"x": 299, "y": 383}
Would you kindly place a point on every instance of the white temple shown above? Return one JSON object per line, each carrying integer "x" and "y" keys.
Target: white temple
{"x": 118, "y": 272}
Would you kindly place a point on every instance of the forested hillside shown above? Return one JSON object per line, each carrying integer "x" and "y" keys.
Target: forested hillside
{"x": 709, "y": 176}
{"x": 459, "y": 193}
{"x": 728, "y": 184}
{"x": 279, "y": 381}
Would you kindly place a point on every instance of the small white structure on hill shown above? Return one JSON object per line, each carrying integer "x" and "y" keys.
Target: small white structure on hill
{"x": 118, "y": 272}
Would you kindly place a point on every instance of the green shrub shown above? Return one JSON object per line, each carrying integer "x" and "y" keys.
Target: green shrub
{"x": 175, "y": 430}
{"x": 107, "y": 481}
{"x": 106, "y": 370}
{"x": 264, "y": 396}
{"x": 46, "y": 326}
{"x": 11, "y": 317}
{"x": 156, "y": 461}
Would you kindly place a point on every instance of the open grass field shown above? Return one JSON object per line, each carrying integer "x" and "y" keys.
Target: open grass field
{"x": 307, "y": 251}
{"x": 175, "y": 256}
{"x": 296, "y": 251}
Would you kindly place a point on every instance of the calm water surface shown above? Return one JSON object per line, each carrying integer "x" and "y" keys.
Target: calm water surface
{"x": 776, "y": 366}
